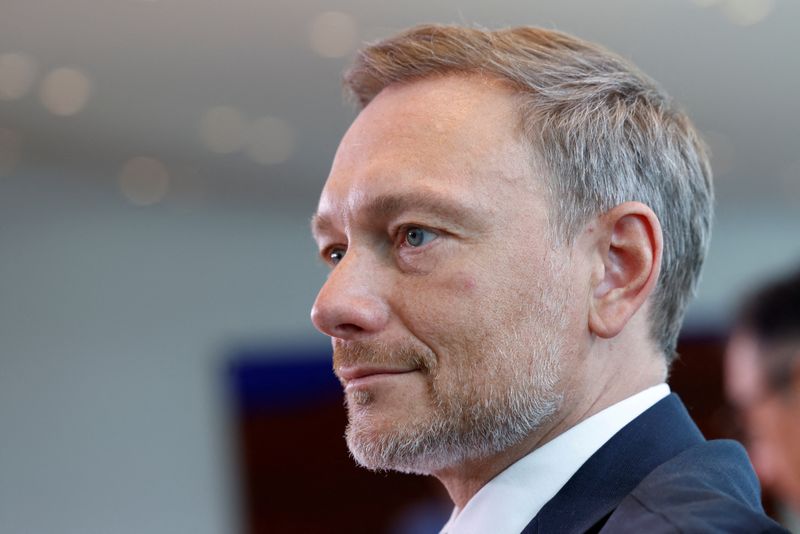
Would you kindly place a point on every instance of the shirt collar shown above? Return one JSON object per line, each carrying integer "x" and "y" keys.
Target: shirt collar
{"x": 510, "y": 500}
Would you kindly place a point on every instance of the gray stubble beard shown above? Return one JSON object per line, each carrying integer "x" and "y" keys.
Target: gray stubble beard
{"x": 469, "y": 422}
{"x": 473, "y": 418}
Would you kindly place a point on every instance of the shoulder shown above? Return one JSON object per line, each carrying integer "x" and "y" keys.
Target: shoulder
{"x": 709, "y": 487}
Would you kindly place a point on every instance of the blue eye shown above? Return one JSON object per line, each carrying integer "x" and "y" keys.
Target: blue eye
{"x": 416, "y": 236}
{"x": 336, "y": 255}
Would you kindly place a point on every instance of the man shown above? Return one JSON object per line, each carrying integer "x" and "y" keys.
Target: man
{"x": 514, "y": 223}
{"x": 763, "y": 382}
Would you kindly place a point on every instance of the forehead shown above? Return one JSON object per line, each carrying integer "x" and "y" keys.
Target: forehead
{"x": 454, "y": 136}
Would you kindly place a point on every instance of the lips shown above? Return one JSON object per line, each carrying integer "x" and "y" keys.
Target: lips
{"x": 359, "y": 374}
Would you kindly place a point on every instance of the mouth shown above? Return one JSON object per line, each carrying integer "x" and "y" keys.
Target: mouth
{"x": 359, "y": 376}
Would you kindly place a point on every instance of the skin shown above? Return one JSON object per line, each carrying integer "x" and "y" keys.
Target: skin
{"x": 443, "y": 155}
{"x": 771, "y": 418}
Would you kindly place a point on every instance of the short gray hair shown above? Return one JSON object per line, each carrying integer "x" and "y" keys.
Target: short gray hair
{"x": 604, "y": 131}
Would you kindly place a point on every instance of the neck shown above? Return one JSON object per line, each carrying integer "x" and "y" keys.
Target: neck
{"x": 595, "y": 394}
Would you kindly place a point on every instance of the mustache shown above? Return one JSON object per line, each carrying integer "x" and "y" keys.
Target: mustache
{"x": 355, "y": 353}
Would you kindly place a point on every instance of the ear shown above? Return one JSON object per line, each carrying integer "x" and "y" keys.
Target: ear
{"x": 628, "y": 246}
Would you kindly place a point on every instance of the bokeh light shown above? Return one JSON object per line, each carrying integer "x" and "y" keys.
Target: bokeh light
{"x": 17, "y": 74}
{"x": 270, "y": 141}
{"x": 144, "y": 181}
{"x": 223, "y": 130}
{"x": 747, "y": 12}
{"x": 333, "y": 34}
{"x": 65, "y": 91}
{"x": 706, "y": 3}
{"x": 10, "y": 149}
{"x": 741, "y": 12}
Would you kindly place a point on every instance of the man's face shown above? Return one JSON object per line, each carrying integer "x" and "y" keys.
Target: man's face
{"x": 450, "y": 310}
{"x": 771, "y": 418}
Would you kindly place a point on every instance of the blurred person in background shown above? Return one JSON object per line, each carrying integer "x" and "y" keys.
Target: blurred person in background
{"x": 763, "y": 383}
{"x": 515, "y": 223}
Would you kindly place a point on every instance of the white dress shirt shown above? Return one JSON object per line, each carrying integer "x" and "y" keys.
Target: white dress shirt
{"x": 508, "y": 502}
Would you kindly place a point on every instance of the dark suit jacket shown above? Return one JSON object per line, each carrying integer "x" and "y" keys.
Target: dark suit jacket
{"x": 658, "y": 474}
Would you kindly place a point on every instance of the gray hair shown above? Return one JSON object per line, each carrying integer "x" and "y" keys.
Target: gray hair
{"x": 604, "y": 131}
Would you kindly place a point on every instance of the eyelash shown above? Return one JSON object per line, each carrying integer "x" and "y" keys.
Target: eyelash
{"x": 400, "y": 235}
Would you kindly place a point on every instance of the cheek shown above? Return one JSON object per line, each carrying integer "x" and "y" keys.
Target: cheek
{"x": 439, "y": 308}
{"x": 462, "y": 283}
{"x": 451, "y": 292}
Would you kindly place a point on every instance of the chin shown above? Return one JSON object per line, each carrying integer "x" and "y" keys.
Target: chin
{"x": 386, "y": 453}
{"x": 441, "y": 443}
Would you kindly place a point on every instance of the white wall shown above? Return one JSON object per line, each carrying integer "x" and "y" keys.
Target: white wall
{"x": 114, "y": 326}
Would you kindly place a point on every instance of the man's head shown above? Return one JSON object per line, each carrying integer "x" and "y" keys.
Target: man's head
{"x": 601, "y": 132}
{"x": 493, "y": 220}
{"x": 763, "y": 382}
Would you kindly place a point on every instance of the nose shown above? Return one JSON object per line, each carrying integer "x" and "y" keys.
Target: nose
{"x": 350, "y": 304}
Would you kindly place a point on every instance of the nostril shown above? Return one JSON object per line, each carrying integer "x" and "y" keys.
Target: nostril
{"x": 348, "y": 329}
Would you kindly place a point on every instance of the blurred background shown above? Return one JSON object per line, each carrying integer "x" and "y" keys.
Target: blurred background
{"x": 159, "y": 161}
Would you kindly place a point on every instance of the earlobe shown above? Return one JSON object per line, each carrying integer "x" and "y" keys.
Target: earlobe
{"x": 628, "y": 247}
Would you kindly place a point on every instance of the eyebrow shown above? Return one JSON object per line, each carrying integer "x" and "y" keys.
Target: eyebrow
{"x": 390, "y": 205}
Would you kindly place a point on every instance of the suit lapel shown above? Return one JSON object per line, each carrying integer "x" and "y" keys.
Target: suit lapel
{"x": 611, "y": 473}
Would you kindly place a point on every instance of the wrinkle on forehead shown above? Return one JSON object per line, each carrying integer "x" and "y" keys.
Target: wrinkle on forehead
{"x": 455, "y": 211}
{"x": 448, "y": 134}
{"x": 459, "y": 111}
{"x": 456, "y": 121}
